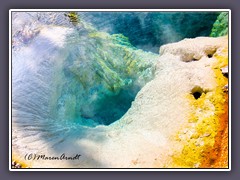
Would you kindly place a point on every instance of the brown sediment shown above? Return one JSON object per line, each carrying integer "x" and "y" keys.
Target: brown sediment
{"x": 217, "y": 156}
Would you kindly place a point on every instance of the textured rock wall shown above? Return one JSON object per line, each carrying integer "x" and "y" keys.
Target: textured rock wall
{"x": 187, "y": 128}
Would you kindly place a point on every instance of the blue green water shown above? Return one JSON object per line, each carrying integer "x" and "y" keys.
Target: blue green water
{"x": 88, "y": 72}
{"x": 150, "y": 30}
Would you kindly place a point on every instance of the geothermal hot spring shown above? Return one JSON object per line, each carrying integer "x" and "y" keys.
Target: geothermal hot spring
{"x": 96, "y": 84}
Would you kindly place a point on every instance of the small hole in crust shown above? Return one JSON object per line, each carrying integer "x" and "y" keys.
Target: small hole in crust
{"x": 197, "y": 95}
{"x": 197, "y": 92}
{"x": 194, "y": 59}
{"x": 210, "y": 55}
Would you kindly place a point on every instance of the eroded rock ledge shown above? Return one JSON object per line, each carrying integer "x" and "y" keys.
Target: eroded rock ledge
{"x": 183, "y": 110}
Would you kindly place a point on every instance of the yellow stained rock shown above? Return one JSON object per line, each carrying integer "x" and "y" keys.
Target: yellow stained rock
{"x": 208, "y": 145}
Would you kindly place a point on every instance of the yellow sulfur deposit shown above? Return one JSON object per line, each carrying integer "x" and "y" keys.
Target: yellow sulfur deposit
{"x": 205, "y": 144}
{"x": 19, "y": 161}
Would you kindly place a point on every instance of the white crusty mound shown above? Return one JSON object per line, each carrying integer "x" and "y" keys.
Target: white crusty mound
{"x": 192, "y": 50}
{"x": 143, "y": 137}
